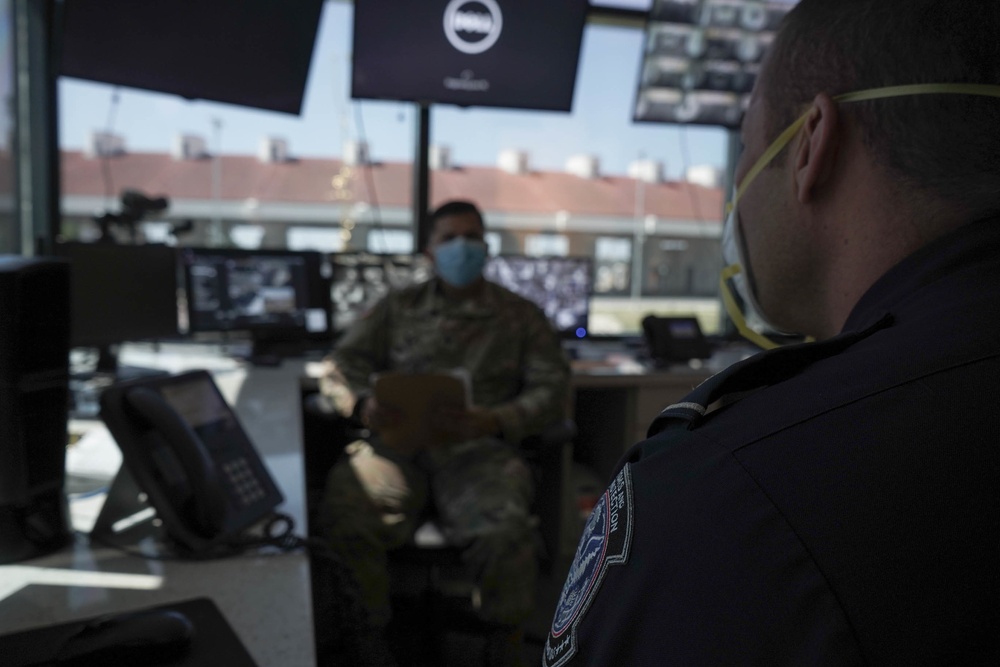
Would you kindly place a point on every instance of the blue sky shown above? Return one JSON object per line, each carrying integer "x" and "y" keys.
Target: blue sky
{"x": 600, "y": 123}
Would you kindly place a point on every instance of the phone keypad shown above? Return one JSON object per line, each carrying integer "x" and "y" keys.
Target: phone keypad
{"x": 243, "y": 481}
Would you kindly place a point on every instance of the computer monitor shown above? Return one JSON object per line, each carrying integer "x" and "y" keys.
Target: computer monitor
{"x": 361, "y": 279}
{"x": 560, "y": 286}
{"x": 702, "y": 57}
{"x": 120, "y": 293}
{"x": 278, "y": 296}
{"x": 514, "y": 53}
{"x": 253, "y": 53}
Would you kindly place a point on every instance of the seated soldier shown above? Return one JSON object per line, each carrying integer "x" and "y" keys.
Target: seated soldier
{"x": 478, "y": 484}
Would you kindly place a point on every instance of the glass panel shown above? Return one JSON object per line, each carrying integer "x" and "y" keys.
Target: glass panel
{"x": 643, "y": 201}
{"x": 244, "y": 177}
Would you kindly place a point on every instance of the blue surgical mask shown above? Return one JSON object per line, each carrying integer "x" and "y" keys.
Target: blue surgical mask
{"x": 460, "y": 262}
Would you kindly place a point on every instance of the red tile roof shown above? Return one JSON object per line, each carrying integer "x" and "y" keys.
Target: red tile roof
{"x": 309, "y": 180}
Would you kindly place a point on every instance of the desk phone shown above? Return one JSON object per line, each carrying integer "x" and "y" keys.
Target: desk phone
{"x": 186, "y": 454}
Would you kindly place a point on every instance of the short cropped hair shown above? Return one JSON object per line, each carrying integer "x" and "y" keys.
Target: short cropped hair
{"x": 454, "y": 207}
{"x": 943, "y": 146}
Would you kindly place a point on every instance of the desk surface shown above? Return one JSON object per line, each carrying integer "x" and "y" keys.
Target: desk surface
{"x": 265, "y": 597}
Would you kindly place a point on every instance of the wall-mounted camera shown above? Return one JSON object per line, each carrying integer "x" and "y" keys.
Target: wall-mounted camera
{"x": 135, "y": 205}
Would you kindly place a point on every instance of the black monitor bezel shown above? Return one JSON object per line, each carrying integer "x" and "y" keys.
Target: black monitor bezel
{"x": 561, "y": 106}
{"x": 89, "y": 308}
{"x": 317, "y": 293}
{"x": 250, "y": 53}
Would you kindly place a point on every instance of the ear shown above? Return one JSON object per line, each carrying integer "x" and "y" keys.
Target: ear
{"x": 816, "y": 151}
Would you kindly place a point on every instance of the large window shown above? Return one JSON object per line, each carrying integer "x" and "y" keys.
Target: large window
{"x": 335, "y": 178}
{"x": 642, "y": 200}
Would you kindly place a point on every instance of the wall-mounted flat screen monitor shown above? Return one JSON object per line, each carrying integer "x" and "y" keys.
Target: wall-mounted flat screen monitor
{"x": 560, "y": 286}
{"x": 121, "y": 293}
{"x": 253, "y": 53}
{"x": 361, "y": 279}
{"x": 256, "y": 290}
{"x": 702, "y": 57}
{"x": 495, "y": 53}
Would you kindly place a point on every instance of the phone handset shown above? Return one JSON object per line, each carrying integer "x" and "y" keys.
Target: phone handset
{"x": 206, "y": 508}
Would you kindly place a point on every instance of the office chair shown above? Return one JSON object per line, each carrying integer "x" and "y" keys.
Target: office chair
{"x": 426, "y": 572}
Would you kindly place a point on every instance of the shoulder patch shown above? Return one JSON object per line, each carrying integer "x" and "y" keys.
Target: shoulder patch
{"x": 606, "y": 540}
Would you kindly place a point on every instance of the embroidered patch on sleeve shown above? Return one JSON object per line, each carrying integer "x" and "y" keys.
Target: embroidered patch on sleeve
{"x": 606, "y": 540}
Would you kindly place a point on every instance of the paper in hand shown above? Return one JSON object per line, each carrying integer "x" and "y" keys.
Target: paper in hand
{"x": 418, "y": 397}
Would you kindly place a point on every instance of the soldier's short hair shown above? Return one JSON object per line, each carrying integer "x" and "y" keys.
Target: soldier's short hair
{"x": 455, "y": 207}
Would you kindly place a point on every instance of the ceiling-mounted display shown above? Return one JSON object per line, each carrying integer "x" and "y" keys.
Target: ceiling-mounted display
{"x": 701, "y": 59}
{"x": 252, "y": 53}
{"x": 497, "y": 53}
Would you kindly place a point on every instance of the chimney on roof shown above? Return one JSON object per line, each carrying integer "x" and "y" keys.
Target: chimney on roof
{"x": 356, "y": 153}
{"x": 104, "y": 144}
{"x": 272, "y": 150}
{"x": 584, "y": 166}
{"x": 513, "y": 161}
{"x": 648, "y": 171}
{"x": 188, "y": 147}
{"x": 440, "y": 157}
{"x": 704, "y": 175}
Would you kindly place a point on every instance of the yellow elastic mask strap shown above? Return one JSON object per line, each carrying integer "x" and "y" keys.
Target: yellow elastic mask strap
{"x": 980, "y": 89}
{"x": 765, "y": 159}
{"x": 735, "y": 314}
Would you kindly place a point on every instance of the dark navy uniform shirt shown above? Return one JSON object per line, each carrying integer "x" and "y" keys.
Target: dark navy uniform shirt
{"x": 845, "y": 511}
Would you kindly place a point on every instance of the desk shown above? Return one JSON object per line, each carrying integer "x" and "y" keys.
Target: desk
{"x": 613, "y": 410}
{"x": 266, "y": 597}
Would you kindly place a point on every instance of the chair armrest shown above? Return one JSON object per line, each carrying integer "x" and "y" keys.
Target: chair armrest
{"x": 553, "y": 436}
{"x": 325, "y": 434}
{"x": 545, "y": 454}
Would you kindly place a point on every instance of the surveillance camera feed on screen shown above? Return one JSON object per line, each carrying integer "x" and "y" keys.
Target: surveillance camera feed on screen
{"x": 702, "y": 57}
{"x": 361, "y": 279}
{"x": 247, "y": 290}
{"x": 468, "y": 52}
{"x": 560, "y": 286}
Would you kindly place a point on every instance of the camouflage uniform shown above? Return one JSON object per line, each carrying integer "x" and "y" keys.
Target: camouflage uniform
{"x": 481, "y": 489}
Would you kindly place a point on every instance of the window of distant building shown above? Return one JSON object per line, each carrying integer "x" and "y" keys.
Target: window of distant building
{"x": 546, "y": 245}
{"x": 323, "y": 239}
{"x": 494, "y": 243}
{"x": 248, "y": 237}
{"x": 390, "y": 241}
